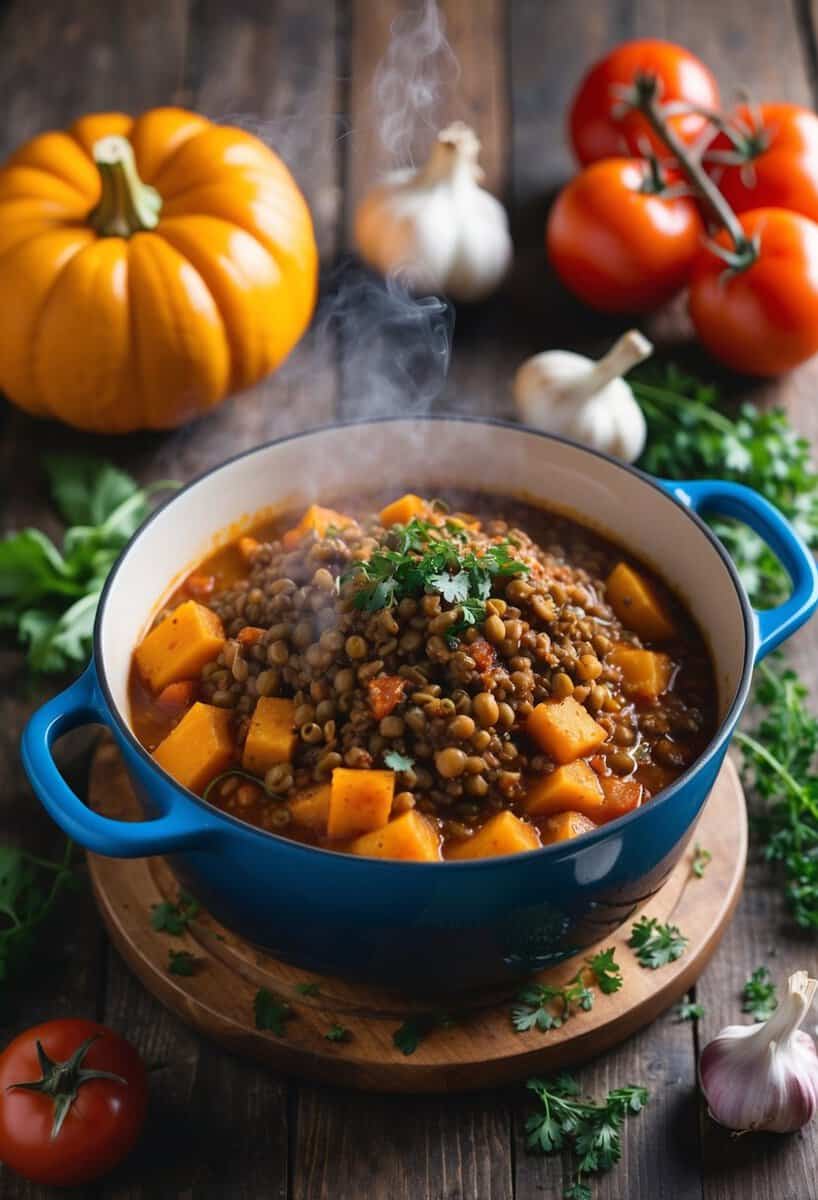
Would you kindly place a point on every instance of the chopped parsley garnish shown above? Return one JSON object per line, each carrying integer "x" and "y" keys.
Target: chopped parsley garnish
{"x": 413, "y": 1030}
{"x": 174, "y": 918}
{"x": 308, "y": 989}
{"x": 270, "y": 1012}
{"x": 595, "y": 1130}
{"x": 337, "y": 1033}
{"x": 701, "y": 858}
{"x": 180, "y": 962}
{"x": 656, "y": 945}
{"x": 688, "y": 1010}
{"x": 422, "y": 560}
{"x": 540, "y": 1006}
{"x": 758, "y": 995}
{"x": 398, "y": 762}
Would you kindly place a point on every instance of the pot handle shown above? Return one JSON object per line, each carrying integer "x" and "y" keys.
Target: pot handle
{"x": 182, "y": 826}
{"x": 773, "y": 625}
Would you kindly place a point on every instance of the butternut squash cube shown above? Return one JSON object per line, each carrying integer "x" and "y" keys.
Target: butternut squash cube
{"x": 311, "y": 808}
{"x": 634, "y": 600}
{"x": 179, "y": 646}
{"x": 645, "y": 673}
{"x": 564, "y": 729}
{"x": 409, "y": 837}
{"x": 573, "y": 786}
{"x": 565, "y": 825}
{"x": 199, "y": 748}
{"x": 360, "y": 801}
{"x": 316, "y": 519}
{"x": 621, "y": 796}
{"x": 400, "y": 512}
{"x": 503, "y": 834}
{"x": 271, "y": 737}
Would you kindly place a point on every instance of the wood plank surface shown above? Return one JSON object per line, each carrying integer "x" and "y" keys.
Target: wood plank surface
{"x": 300, "y": 75}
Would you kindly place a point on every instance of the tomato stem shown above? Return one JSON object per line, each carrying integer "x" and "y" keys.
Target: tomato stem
{"x": 644, "y": 98}
{"x": 63, "y": 1080}
{"x": 126, "y": 204}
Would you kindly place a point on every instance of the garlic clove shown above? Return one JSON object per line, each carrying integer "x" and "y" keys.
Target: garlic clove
{"x": 573, "y": 396}
{"x": 765, "y": 1076}
{"x": 435, "y": 227}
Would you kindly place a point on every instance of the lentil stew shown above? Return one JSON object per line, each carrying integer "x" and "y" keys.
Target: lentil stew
{"x": 424, "y": 681}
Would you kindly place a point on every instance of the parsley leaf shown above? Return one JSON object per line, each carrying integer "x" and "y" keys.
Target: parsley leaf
{"x": 758, "y": 995}
{"x": 777, "y": 771}
{"x": 398, "y": 762}
{"x": 308, "y": 989}
{"x": 180, "y": 962}
{"x": 594, "y": 1129}
{"x": 174, "y": 918}
{"x": 691, "y": 435}
{"x": 411, "y": 1033}
{"x": 337, "y": 1033}
{"x": 687, "y": 1010}
{"x": 270, "y": 1012}
{"x": 541, "y": 1006}
{"x": 48, "y": 595}
{"x": 656, "y": 945}
{"x": 29, "y": 890}
{"x": 701, "y": 858}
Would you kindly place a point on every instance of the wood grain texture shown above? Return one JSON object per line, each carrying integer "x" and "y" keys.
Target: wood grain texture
{"x": 479, "y": 1049}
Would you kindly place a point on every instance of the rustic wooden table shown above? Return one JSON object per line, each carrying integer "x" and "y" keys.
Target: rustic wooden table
{"x": 301, "y": 73}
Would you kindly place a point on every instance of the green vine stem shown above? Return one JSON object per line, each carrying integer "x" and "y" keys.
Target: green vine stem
{"x": 644, "y": 98}
{"x": 126, "y": 204}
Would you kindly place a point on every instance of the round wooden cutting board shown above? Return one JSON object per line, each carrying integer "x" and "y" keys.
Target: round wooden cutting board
{"x": 480, "y": 1048}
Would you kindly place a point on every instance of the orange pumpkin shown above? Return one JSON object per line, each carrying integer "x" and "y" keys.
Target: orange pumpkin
{"x": 148, "y": 267}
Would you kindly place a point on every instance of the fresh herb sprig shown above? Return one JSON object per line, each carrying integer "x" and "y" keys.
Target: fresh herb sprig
{"x": 777, "y": 757}
{"x": 168, "y": 917}
{"x": 181, "y": 962}
{"x": 594, "y": 1130}
{"x": 429, "y": 558}
{"x": 689, "y": 1010}
{"x": 656, "y": 945}
{"x": 758, "y": 995}
{"x": 701, "y": 860}
{"x": 271, "y": 1013}
{"x": 49, "y": 595}
{"x": 414, "y": 1029}
{"x": 692, "y": 434}
{"x": 541, "y": 1006}
{"x": 29, "y": 890}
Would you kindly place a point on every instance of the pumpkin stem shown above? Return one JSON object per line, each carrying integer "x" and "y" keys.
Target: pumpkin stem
{"x": 126, "y": 204}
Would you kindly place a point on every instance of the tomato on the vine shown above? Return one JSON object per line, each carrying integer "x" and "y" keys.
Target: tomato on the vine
{"x": 600, "y": 126}
{"x": 72, "y": 1102}
{"x": 617, "y": 241}
{"x": 767, "y": 157}
{"x": 761, "y": 319}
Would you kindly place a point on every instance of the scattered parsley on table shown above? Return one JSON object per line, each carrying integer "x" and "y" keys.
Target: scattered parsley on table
{"x": 701, "y": 859}
{"x": 687, "y": 1010}
{"x": 541, "y": 1006}
{"x": 271, "y": 1012}
{"x": 174, "y": 918}
{"x": 308, "y": 989}
{"x": 180, "y": 962}
{"x": 593, "y": 1130}
{"x": 758, "y": 995}
{"x": 411, "y": 1033}
{"x": 337, "y": 1033}
{"x": 656, "y": 945}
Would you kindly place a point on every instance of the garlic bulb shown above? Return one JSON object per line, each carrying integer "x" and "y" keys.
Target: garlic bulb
{"x": 434, "y": 226}
{"x": 765, "y": 1076}
{"x": 571, "y": 395}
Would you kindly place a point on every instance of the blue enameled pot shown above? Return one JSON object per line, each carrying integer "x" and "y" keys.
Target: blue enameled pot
{"x": 425, "y": 926}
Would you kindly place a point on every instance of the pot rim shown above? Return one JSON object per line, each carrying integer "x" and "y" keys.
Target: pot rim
{"x": 585, "y": 840}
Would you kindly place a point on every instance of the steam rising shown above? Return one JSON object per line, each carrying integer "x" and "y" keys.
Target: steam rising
{"x": 394, "y": 347}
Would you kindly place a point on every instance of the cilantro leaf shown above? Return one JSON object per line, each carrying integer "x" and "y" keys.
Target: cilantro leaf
{"x": 414, "y": 1029}
{"x": 337, "y": 1033}
{"x": 541, "y": 1006}
{"x": 453, "y": 588}
{"x": 167, "y": 917}
{"x": 308, "y": 989}
{"x": 270, "y": 1012}
{"x": 656, "y": 945}
{"x": 758, "y": 995}
{"x": 701, "y": 858}
{"x": 606, "y": 971}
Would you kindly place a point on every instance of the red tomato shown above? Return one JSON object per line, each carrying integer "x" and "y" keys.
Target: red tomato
{"x": 617, "y": 247}
{"x": 777, "y": 148}
{"x": 762, "y": 320}
{"x": 599, "y": 130}
{"x": 103, "y": 1116}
